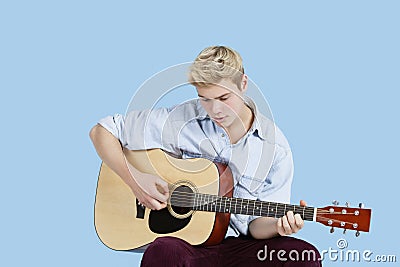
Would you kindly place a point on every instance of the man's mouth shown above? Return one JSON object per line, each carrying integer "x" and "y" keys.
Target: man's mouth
{"x": 218, "y": 119}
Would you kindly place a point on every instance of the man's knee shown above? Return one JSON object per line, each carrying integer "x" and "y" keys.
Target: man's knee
{"x": 165, "y": 251}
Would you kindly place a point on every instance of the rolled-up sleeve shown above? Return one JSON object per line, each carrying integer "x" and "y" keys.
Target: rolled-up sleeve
{"x": 115, "y": 125}
{"x": 145, "y": 129}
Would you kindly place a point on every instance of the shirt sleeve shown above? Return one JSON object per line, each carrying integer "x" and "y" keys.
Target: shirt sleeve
{"x": 146, "y": 129}
{"x": 115, "y": 125}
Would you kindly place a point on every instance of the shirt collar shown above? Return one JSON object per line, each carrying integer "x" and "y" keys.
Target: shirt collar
{"x": 257, "y": 127}
{"x": 202, "y": 114}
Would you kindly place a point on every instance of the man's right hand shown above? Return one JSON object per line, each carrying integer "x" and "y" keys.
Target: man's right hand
{"x": 150, "y": 190}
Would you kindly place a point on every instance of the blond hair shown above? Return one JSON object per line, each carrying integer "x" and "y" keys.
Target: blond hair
{"x": 215, "y": 63}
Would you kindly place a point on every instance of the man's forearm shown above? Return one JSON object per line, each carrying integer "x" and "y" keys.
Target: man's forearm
{"x": 263, "y": 228}
{"x": 110, "y": 151}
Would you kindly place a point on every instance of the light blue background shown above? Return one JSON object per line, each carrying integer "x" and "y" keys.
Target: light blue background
{"x": 329, "y": 69}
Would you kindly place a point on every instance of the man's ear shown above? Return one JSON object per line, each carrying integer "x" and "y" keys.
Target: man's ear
{"x": 244, "y": 83}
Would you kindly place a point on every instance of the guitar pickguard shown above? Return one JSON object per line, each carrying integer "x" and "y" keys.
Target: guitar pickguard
{"x": 162, "y": 222}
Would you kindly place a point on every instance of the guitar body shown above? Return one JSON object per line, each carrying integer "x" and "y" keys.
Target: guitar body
{"x": 123, "y": 224}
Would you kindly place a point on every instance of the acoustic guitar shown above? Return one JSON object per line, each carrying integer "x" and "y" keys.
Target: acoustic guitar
{"x": 199, "y": 205}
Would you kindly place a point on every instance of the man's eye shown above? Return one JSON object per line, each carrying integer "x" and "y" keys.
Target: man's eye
{"x": 224, "y": 98}
{"x": 204, "y": 99}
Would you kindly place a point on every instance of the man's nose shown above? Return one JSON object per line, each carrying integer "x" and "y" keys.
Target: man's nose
{"x": 216, "y": 106}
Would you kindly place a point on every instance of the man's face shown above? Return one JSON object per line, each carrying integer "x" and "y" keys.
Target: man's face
{"x": 223, "y": 102}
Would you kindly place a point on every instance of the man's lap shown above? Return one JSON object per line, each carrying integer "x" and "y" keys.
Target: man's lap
{"x": 233, "y": 251}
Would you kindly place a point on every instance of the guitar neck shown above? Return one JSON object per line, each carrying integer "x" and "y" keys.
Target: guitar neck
{"x": 204, "y": 202}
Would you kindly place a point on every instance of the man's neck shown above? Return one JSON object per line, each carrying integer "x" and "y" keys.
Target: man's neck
{"x": 241, "y": 125}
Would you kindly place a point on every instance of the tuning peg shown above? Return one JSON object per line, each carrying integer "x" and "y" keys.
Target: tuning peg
{"x": 347, "y": 204}
{"x": 335, "y": 202}
{"x": 332, "y": 230}
{"x": 357, "y": 233}
{"x": 361, "y": 205}
{"x": 344, "y": 231}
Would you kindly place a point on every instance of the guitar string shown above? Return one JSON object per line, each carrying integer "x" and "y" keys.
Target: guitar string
{"x": 262, "y": 210}
{"x": 182, "y": 201}
{"x": 336, "y": 213}
{"x": 208, "y": 197}
{"x": 278, "y": 210}
{"x": 191, "y": 202}
{"x": 205, "y": 197}
{"x": 193, "y": 199}
{"x": 335, "y": 220}
{"x": 205, "y": 200}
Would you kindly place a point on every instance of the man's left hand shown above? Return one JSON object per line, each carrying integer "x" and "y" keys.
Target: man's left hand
{"x": 290, "y": 223}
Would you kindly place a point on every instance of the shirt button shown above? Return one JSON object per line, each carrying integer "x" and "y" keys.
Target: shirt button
{"x": 223, "y": 135}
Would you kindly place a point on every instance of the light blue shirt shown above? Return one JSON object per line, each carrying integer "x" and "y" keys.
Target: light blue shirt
{"x": 261, "y": 161}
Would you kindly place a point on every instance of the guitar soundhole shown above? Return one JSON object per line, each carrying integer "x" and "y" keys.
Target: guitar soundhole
{"x": 182, "y": 201}
{"x": 178, "y": 213}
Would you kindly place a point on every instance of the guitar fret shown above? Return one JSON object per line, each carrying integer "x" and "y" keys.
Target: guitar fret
{"x": 279, "y": 210}
{"x": 225, "y": 204}
{"x": 257, "y": 207}
{"x": 235, "y": 205}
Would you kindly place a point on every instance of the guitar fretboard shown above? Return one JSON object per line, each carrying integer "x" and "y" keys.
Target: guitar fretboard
{"x": 212, "y": 203}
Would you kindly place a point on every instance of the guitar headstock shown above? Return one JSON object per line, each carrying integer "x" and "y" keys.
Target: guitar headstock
{"x": 357, "y": 219}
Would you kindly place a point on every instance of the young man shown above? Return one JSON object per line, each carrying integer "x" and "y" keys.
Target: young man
{"x": 223, "y": 125}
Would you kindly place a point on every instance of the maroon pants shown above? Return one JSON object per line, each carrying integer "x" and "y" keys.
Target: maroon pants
{"x": 233, "y": 251}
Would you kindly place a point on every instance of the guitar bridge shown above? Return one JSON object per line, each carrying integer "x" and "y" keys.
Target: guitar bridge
{"x": 139, "y": 210}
